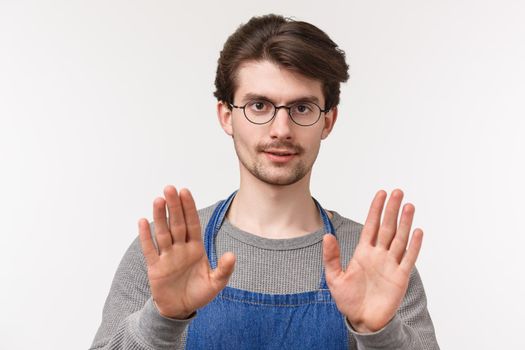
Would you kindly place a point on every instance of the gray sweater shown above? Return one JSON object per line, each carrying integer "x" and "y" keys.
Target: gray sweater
{"x": 130, "y": 319}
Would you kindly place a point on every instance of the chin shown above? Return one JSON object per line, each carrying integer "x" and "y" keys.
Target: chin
{"x": 291, "y": 177}
{"x": 279, "y": 182}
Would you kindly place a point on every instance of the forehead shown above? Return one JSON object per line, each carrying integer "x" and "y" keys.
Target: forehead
{"x": 275, "y": 82}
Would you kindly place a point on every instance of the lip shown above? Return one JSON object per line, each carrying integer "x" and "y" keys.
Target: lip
{"x": 280, "y": 152}
{"x": 279, "y": 158}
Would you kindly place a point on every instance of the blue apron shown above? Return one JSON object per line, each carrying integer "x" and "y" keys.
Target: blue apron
{"x": 240, "y": 319}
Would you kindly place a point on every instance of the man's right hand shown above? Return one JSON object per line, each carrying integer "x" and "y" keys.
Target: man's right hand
{"x": 179, "y": 273}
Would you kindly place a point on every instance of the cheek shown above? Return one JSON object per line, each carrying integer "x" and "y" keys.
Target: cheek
{"x": 315, "y": 149}
{"x": 245, "y": 138}
{"x": 312, "y": 147}
{"x": 313, "y": 141}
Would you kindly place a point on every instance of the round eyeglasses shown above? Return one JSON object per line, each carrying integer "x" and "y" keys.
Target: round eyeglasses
{"x": 263, "y": 111}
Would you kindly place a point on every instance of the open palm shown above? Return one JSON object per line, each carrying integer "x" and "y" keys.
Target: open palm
{"x": 179, "y": 273}
{"x": 369, "y": 291}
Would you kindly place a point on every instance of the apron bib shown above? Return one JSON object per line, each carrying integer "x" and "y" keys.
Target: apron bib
{"x": 240, "y": 319}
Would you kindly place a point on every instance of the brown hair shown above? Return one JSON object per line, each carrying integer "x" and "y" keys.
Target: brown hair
{"x": 295, "y": 45}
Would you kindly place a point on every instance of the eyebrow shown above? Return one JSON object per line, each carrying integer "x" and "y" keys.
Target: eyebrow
{"x": 251, "y": 96}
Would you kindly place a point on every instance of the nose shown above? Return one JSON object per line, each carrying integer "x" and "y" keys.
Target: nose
{"x": 281, "y": 125}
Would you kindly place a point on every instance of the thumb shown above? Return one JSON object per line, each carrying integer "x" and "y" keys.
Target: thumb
{"x": 224, "y": 270}
{"x": 331, "y": 257}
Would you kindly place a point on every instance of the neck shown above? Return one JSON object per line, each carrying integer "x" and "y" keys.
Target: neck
{"x": 273, "y": 211}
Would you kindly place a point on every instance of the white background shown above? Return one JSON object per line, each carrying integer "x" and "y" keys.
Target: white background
{"x": 103, "y": 103}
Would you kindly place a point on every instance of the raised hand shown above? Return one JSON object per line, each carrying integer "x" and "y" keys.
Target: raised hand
{"x": 179, "y": 274}
{"x": 375, "y": 281}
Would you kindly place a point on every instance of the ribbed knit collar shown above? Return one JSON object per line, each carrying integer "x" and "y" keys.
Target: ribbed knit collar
{"x": 278, "y": 244}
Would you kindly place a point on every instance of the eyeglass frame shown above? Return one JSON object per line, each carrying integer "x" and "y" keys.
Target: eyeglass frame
{"x": 276, "y": 108}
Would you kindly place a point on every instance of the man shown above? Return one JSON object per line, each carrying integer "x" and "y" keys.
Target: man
{"x": 279, "y": 281}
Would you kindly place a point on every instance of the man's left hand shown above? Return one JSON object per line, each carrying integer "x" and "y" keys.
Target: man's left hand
{"x": 371, "y": 289}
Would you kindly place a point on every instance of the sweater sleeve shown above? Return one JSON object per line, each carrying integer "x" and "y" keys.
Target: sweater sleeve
{"x": 130, "y": 319}
{"x": 410, "y": 329}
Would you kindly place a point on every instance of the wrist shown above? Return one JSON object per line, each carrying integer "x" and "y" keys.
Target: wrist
{"x": 361, "y": 326}
{"x": 176, "y": 316}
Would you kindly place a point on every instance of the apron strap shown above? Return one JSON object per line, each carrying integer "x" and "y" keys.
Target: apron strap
{"x": 328, "y": 229}
{"x": 213, "y": 228}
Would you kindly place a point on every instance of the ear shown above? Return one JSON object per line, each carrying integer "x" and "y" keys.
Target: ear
{"x": 224, "y": 113}
{"x": 329, "y": 122}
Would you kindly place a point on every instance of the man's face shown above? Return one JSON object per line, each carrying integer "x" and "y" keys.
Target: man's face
{"x": 279, "y": 152}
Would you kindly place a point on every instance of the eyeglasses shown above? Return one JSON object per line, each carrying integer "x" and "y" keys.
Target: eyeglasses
{"x": 263, "y": 111}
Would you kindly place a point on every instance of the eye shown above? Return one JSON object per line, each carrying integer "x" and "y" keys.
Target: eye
{"x": 259, "y": 106}
{"x": 303, "y": 108}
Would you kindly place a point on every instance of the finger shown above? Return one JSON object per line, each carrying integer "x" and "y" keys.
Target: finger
{"x": 409, "y": 260}
{"x": 369, "y": 232}
{"x": 224, "y": 270}
{"x": 193, "y": 224}
{"x": 331, "y": 257}
{"x": 389, "y": 224}
{"x": 400, "y": 241}
{"x": 177, "y": 223}
{"x": 162, "y": 233}
{"x": 146, "y": 242}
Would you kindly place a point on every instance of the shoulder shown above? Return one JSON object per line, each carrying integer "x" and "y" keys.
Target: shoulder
{"x": 205, "y": 213}
{"x": 345, "y": 228}
{"x": 347, "y": 232}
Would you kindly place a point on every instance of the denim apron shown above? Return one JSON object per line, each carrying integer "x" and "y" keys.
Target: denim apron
{"x": 240, "y": 319}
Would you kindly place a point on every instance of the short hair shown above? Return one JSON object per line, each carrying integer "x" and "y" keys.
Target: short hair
{"x": 295, "y": 45}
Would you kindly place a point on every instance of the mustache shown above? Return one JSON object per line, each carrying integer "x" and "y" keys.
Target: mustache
{"x": 281, "y": 145}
